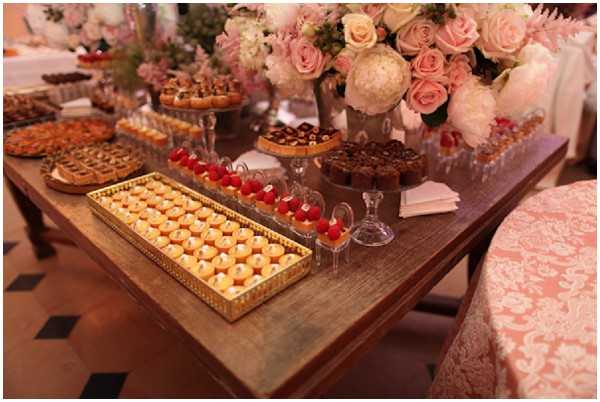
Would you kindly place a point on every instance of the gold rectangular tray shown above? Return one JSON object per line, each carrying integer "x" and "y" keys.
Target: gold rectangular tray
{"x": 250, "y": 297}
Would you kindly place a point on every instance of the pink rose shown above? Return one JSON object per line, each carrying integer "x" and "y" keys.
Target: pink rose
{"x": 373, "y": 10}
{"x": 458, "y": 71}
{"x": 343, "y": 61}
{"x": 306, "y": 58}
{"x": 425, "y": 96}
{"x": 457, "y": 35}
{"x": 429, "y": 64}
{"x": 414, "y": 36}
{"x": 502, "y": 34}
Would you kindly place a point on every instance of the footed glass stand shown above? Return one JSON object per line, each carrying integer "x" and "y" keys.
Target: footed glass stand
{"x": 370, "y": 231}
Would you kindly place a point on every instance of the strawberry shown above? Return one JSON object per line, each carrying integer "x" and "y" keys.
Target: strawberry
{"x": 236, "y": 181}
{"x": 282, "y": 208}
{"x": 334, "y": 233}
{"x": 294, "y": 204}
{"x": 314, "y": 213}
{"x": 213, "y": 175}
{"x": 300, "y": 215}
{"x": 260, "y": 195}
{"x": 322, "y": 226}
{"x": 246, "y": 188}
{"x": 226, "y": 180}
{"x": 269, "y": 198}
{"x": 200, "y": 168}
{"x": 256, "y": 186}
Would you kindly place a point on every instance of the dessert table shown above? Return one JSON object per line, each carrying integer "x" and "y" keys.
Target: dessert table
{"x": 301, "y": 341}
{"x": 530, "y": 329}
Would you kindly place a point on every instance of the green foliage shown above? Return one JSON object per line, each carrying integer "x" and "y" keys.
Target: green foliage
{"x": 329, "y": 38}
{"x": 124, "y": 67}
{"x": 485, "y": 68}
{"x": 201, "y": 25}
{"x": 438, "y": 117}
{"x": 54, "y": 14}
{"x": 438, "y": 12}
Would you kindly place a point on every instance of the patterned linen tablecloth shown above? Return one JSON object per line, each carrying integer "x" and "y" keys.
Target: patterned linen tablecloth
{"x": 530, "y": 330}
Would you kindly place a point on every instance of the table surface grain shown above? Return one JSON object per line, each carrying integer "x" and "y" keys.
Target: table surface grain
{"x": 302, "y": 340}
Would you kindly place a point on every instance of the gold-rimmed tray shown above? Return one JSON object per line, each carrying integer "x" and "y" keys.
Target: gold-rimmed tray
{"x": 232, "y": 309}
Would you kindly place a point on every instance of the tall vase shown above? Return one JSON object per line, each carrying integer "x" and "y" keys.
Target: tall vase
{"x": 329, "y": 104}
{"x": 379, "y": 128}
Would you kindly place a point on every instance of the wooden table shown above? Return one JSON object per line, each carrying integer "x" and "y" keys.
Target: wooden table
{"x": 303, "y": 340}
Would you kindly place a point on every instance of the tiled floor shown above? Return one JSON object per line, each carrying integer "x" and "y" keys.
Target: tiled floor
{"x": 69, "y": 331}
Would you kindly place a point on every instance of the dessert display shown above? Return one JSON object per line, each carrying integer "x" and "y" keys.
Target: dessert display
{"x": 95, "y": 60}
{"x": 374, "y": 166}
{"x": 172, "y": 125}
{"x": 45, "y": 138}
{"x": 65, "y": 78}
{"x": 303, "y": 141}
{"x": 146, "y": 135}
{"x": 20, "y": 109}
{"x": 102, "y": 100}
{"x": 202, "y": 93}
{"x": 81, "y": 169}
{"x": 223, "y": 257}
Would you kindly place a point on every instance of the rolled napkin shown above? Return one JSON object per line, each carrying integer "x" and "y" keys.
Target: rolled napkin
{"x": 428, "y": 198}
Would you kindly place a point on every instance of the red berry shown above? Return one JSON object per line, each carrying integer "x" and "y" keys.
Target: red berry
{"x": 260, "y": 195}
{"x": 282, "y": 208}
{"x": 176, "y": 154}
{"x": 226, "y": 180}
{"x": 322, "y": 226}
{"x": 222, "y": 170}
{"x": 213, "y": 175}
{"x": 270, "y": 198}
{"x": 339, "y": 223}
{"x": 246, "y": 188}
{"x": 294, "y": 204}
{"x": 256, "y": 186}
{"x": 446, "y": 140}
{"x": 457, "y": 136}
{"x": 300, "y": 215}
{"x": 200, "y": 168}
{"x": 334, "y": 233}
{"x": 236, "y": 181}
{"x": 192, "y": 163}
{"x": 314, "y": 213}
{"x": 211, "y": 167}
{"x": 184, "y": 160}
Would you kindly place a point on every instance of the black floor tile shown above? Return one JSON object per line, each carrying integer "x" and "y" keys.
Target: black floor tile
{"x": 8, "y": 245}
{"x": 25, "y": 282}
{"x": 57, "y": 327}
{"x": 104, "y": 385}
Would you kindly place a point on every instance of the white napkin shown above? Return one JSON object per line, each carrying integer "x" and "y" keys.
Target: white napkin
{"x": 77, "y": 103}
{"x": 428, "y": 198}
{"x": 258, "y": 161}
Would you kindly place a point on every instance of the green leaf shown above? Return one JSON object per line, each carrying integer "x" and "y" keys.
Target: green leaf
{"x": 438, "y": 117}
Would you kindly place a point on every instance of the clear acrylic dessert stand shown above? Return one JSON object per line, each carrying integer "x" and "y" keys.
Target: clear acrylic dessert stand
{"x": 205, "y": 119}
{"x": 342, "y": 211}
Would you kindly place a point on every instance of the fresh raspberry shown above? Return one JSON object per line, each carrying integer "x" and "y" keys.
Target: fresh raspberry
{"x": 192, "y": 163}
{"x": 222, "y": 171}
{"x": 314, "y": 213}
{"x": 334, "y": 233}
{"x": 339, "y": 223}
{"x": 226, "y": 180}
{"x": 282, "y": 208}
{"x": 236, "y": 181}
{"x": 260, "y": 195}
{"x": 184, "y": 160}
{"x": 211, "y": 167}
{"x": 246, "y": 188}
{"x": 256, "y": 186}
{"x": 269, "y": 198}
{"x": 446, "y": 140}
{"x": 300, "y": 215}
{"x": 176, "y": 154}
{"x": 294, "y": 204}
{"x": 200, "y": 168}
{"x": 322, "y": 226}
{"x": 213, "y": 175}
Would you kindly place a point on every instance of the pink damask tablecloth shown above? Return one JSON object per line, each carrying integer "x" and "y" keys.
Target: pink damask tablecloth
{"x": 530, "y": 330}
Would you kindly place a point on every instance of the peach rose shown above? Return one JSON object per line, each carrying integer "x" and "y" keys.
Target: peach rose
{"x": 458, "y": 71}
{"x": 400, "y": 14}
{"x": 414, "y": 36}
{"x": 457, "y": 35}
{"x": 359, "y": 31}
{"x": 429, "y": 64}
{"x": 373, "y": 10}
{"x": 307, "y": 59}
{"x": 343, "y": 61}
{"x": 502, "y": 34}
{"x": 425, "y": 96}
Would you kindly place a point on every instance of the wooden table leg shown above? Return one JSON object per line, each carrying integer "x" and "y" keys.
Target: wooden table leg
{"x": 35, "y": 223}
{"x": 477, "y": 254}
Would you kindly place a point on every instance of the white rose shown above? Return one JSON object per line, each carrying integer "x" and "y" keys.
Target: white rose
{"x": 396, "y": 16}
{"x": 56, "y": 34}
{"x": 359, "y": 31}
{"x": 472, "y": 110}
{"x": 253, "y": 49}
{"x": 109, "y": 14}
{"x": 280, "y": 16}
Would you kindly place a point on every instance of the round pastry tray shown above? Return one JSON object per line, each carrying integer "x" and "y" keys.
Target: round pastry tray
{"x": 290, "y": 157}
{"x": 206, "y": 111}
{"x": 372, "y": 190}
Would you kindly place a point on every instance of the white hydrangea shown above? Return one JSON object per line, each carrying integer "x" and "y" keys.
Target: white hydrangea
{"x": 253, "y": 49}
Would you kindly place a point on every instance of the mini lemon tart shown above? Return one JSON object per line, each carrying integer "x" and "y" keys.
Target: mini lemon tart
{"x": 203, "y": 270}
{"x": 186, "y": 220}
{"x": 228, "y": 227}
{"x": 181, "y": 200}
{"x": 120, "y": 196}
{"x": 240, "y": 252}
{"x": 205, "y": 252}
{"x": 157, "y": 220}
{"x": 187, "y": 261}
{"x": 167, "y": 227}
{"x": 127, "y": 201}
{"x": 211, "y": 235}
{"x": 162, "y": 189}
{"x": 105, "y": 201}
{"x": 191, "y": 244}
{"x": 215, "y": 220}
{"x": 140, "y": 226}
{"x": 114, "y": 206}
{"x": 175, "y": 213}
{"x": 253, "y": 280}
{"x": 129, "y": 217}
{"x": 122, "y": 211}
{"x": 164, "y": 205}
{"x": 161, "y": 241}
{"x": 154, "y": 201}
{"x": 171, "y": 195}
{"x": 153, "y": 184}
{"x": 147, "y": 213}
{"x": 257, "y": 262}
{"x": 173, "y": 251}
{"x": 223, "y": 262}
{"x": 191, "y": 205}
{"x": 151, "y": 233}
{"x": 270, "y": 269}
{"x": 288, "y": 259}
{"x": 198, "y": 228}
{"x": 145, "y": 195}
{"x": 178, "y": 236}
{"x": 220, "y": 281}
{"x": 137, "y": 190}
{"x": 224, "y": 243}
{"x": 243, "y": 234}
{"x": 232, "y": 291}
{"x": 239, "y": 273}
{"x": 204, "y": 212}
{"x": 257, "y": 243}
{"x": 273, "y": 251}
{"x": 138, "y": 206}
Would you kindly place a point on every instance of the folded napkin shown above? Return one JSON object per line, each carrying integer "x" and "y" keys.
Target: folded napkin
{"x": 258, "y": 161}
{"x": 428, "y": 198}
{"x": 77, "y": 103}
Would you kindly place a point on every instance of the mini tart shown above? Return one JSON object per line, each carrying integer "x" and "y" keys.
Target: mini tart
{"x": 171, "y": 195}
{"x": 191, "y": 205}
{"x": 167, "y": 227}
{"x": 105, "y": 201}
{"x": 243, "y": 234}
{"x": 153, "y": 184}
{"x": 120, "y": 196}
{"x": 257, "y": 262}
{"x": 151, "y": 233}
{"x": 203, "y": 270}
{"x": 140, "y": 226}
{"x": 178, "y": 236}
{"x": 175, "y": 213}
{"x": 191, "y": 244}
{"x": 323, "y": 238}
{"x": 204, "y": 212}
{"x": 127, "y": 201}
{"x": 246, "y": 199}
{"x": 224, "y": 243}
{"x": 273, "y": 251}
{"x": 233, "y": 291}
{"x": 128, "y": 217}
{"x": 198, "y": 228}
{"x": 187, "y": 261}
{"x": 137, "y": 207}
{"x": 145, "y": 195}
{"x": 137, "y": 190}
{"x": 240, "y": 252}
{"x": 186, "y": 220}
{"x": 206, "y": 252}
{"x": 253, "y": 280}
{"x": 157, "y": 220}
{"x": 165, "y": 205}
{"x": 148, "y": 213}
{"x": 215, "y": 220}
{"x": 229, "y": 227}
{"x": 161, "y": 241}
{"x": 181, "y": 200}
{"x": 173, "y": 251}
{"x": 239, "y": 273}
{"x": 256, "y": 243}
{"x": 220, "y": 281}
{"x": 154, "y": 201}
{"x": 223, "y": 262}
{"x": 270, "y": 270}
{"x": 113, "y": 206}
{"x": 263, "y": 143}
{"x": 162, "y": 189}
{"x": 211, "y": 235}
{"x": 288, "y": 259}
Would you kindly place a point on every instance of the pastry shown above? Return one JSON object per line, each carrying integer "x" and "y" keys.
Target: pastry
{"x": 211, "y": 235}
{"x": 332, "y": 232}
{"x": 223, "y": 262}
{"x": 167, "y": 227}
{"x": 233, "y": 291}
{"x": 243, "y": 234}
{"x": 173, "y": 251}
{"x": 224, "y": 243}
{"x": 151, "y": 233}
{"x": 198, "y": 228}
{"x": 178, "y": 236}
{"x": 191, "y": 244}
{"x": 239, "y": 273}
{"x": 157, "y": 220}
{"x": 229, "y": 227}
{"x": 270, "y": 269}
{"x": 215, "y": 220}
{"x": 302, "y": 141}
{"x": 205, "y": 252}
{"x": 273, "y": 251}
{"x": 256, "y": 243}
{"x": 220, "y": 282}
{"x": 203, "y": 270}
{"x": 204, "y": 212}
{"x": 187, "y": 261}
{"x": 288, "y": 259}
{"x": 140, "y": 226}
{"x": 161, "y": 241}
{"x": 240, "y": 252}
{"x": 257, "y": 262}
{"x": 186, "y": 220}
{"x": 253, "y": 280}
